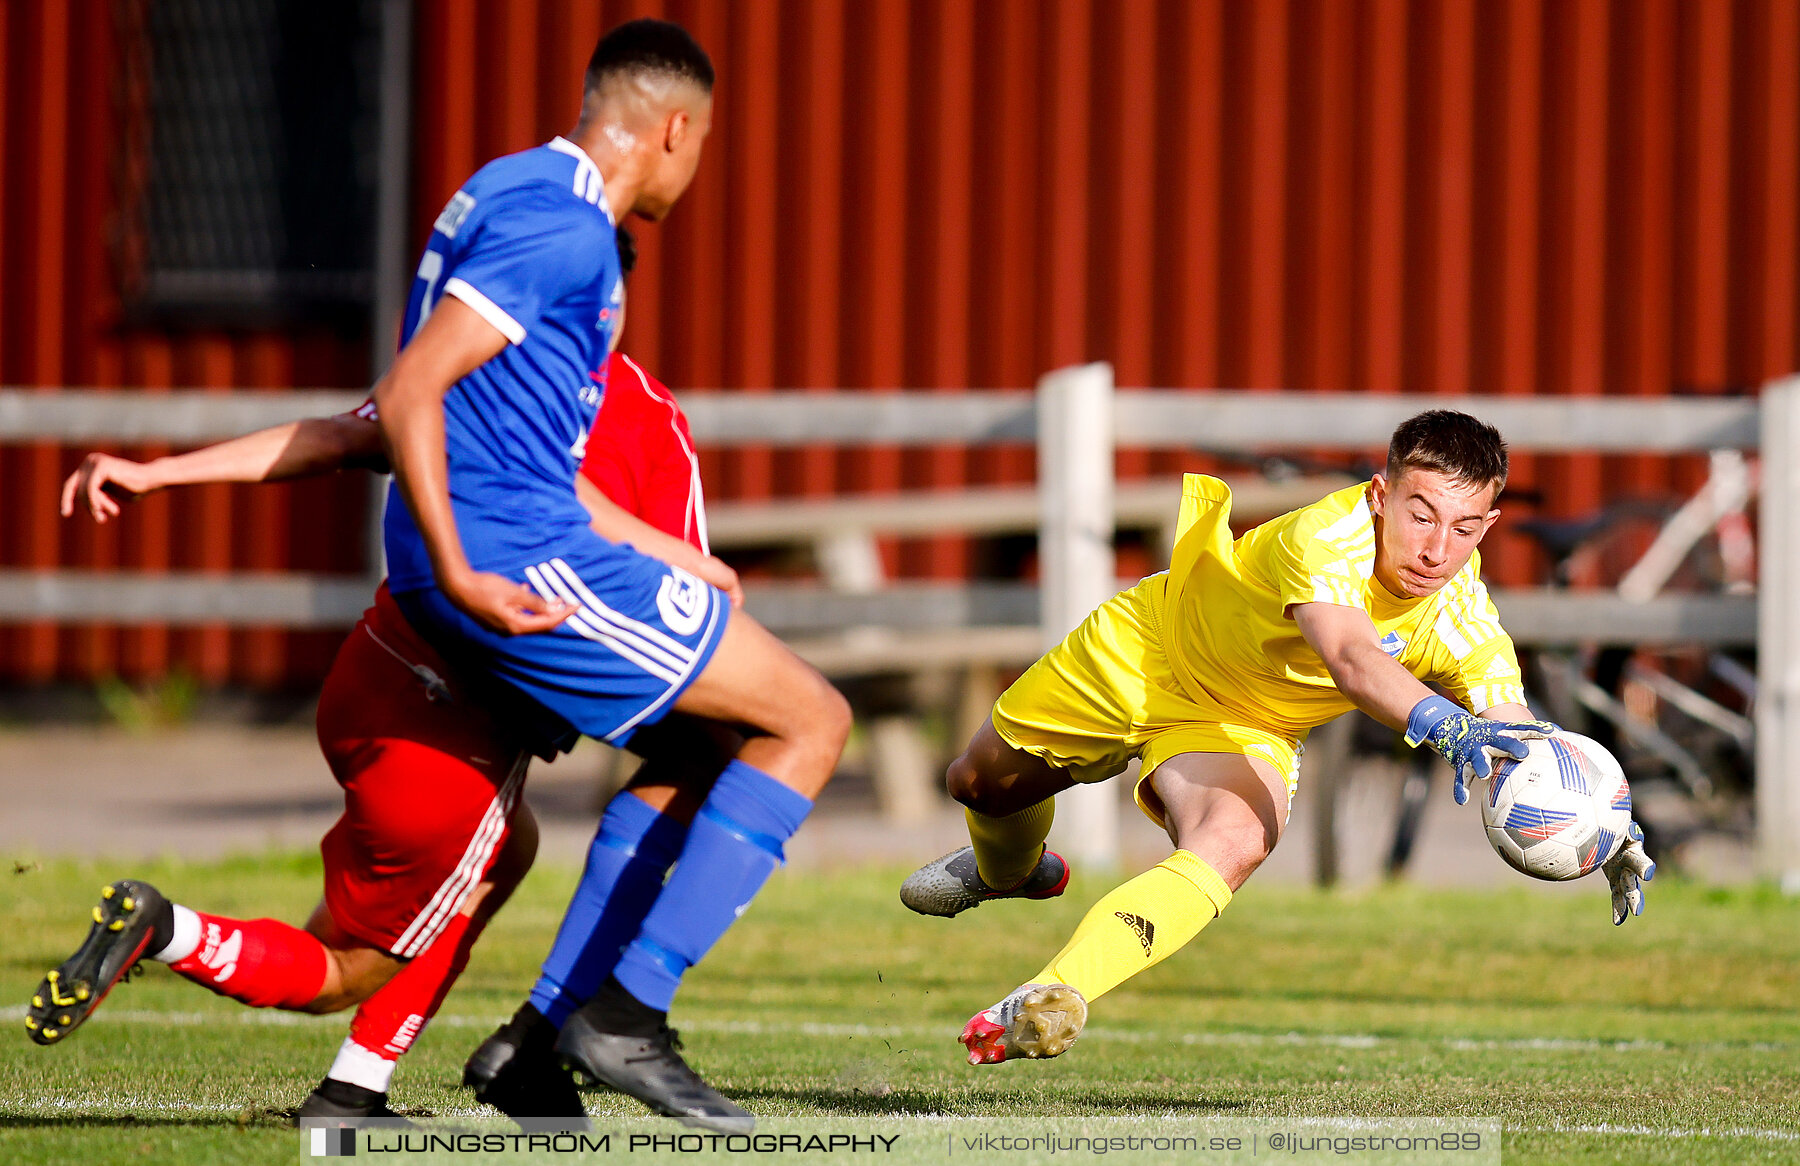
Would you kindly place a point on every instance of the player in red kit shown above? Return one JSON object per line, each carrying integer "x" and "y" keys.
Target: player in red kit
{"x": 434, "y": 836}
{"x": 647, "y": 462}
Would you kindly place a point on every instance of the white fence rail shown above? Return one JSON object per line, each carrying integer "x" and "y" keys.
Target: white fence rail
{"x": 1077, "y": 420}
{"x": 1201, "y": 418}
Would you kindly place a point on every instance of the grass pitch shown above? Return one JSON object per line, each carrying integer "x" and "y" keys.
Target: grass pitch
{"x": 1674, "y": 1039}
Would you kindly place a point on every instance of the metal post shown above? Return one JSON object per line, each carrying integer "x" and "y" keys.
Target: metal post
{"x": 1075, "y": 484}
{"x": 389, "y": 265}
{"x": 1778, "y": 639}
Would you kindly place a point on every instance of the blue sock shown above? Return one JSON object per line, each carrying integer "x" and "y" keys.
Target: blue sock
{"x": 731, "y": 849}
{"x": 631, "y": 852}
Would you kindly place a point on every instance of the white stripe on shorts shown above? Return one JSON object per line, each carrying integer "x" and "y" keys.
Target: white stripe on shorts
{"x": 624, "y": 623}
{"x": 712, "y": 621}
{"x": 647, "y": 646}
{"x": 641, "y": 637}
{"x": 455, "y": 890}
{"x": 584, "y": 623}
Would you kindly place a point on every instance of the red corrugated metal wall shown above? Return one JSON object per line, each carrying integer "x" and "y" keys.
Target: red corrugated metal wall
{"x": 61, "y": 93}
{"x": 1497, "y": 197}
{"x": 1491, "y": 196}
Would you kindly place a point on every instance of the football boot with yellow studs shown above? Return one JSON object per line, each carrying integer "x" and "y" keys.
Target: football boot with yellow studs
{"x": 132, "y": 921}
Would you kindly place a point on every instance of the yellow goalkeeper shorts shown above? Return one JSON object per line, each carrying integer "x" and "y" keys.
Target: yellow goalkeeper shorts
{"x": 1107, "y": 694}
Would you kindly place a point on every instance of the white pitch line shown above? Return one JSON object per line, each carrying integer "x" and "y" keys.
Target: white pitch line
{"x": 1328, "y": 1040}
{"x": 18, "y": 1102}
{"x": 1636, "y": 1131}
{"x": 1653, "y": 1132}
{"x": 278, "y": 1019}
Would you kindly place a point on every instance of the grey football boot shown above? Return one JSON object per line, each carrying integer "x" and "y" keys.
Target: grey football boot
{"x": 952, "y": 885}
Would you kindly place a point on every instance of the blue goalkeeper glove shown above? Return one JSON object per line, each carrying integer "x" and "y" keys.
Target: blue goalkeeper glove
{"x": 1468, "y": 743}
{"x": 1624, "y": 870}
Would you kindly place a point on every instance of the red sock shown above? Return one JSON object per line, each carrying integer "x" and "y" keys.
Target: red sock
{"x": 263, "y": 963}
{"x": 389, "y": 1021}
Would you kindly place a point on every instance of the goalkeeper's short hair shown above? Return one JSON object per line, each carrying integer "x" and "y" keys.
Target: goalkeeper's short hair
{"x": 1462, "y": 448}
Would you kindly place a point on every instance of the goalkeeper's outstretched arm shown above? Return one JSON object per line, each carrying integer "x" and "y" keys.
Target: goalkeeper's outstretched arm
{"x": 1345, "y": 639}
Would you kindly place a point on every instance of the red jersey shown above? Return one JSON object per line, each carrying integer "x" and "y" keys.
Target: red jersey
{"x": 640, "y": 452}
{"x": 641, "y": 455}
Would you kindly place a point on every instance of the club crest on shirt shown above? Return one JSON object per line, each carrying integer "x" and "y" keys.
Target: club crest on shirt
{"x": 1392, "y": 644}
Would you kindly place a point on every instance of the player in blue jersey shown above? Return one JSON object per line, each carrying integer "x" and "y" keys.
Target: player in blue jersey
{"x": 484, "y": 416}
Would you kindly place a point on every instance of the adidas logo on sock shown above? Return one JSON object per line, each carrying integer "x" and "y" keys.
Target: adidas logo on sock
{"x": 221, "y": 958}
{"x": 1146, "y": 930}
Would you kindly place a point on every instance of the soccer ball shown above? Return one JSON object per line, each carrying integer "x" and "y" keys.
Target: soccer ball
{"x": 1560, "y": 812}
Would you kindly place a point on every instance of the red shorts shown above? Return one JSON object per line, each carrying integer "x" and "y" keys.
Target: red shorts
{"x": 429, "y": 787}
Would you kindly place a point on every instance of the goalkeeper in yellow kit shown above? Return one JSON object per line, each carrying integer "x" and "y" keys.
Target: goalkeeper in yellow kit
{"x": 1211, "y": 674}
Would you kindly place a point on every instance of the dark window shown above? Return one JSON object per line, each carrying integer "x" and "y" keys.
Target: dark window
{"x": 250, "y": 128}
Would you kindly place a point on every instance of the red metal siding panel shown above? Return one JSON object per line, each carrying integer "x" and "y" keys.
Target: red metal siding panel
{"x": 1006, "y": 193}
{"x": 47, "y": 151}
{"x": 1124, "y": 169}
{"x": 1707, "y": 109}
{"x": 1197, "y": 83}
{"x": 1646, "y": 364}
{"x": 1265, "y": 197}
{"x": 751, "y": 122}
{"x": 941, "y": 287}
{"x": 1383, "y": 322}
{"x": 809, "y": 269}
{"x": 1453, "y": 250}
{"x": 1328, "y": 337}
{"x": 1063, "y": 175}
{"x": 1515, "y": 320}
{"x": 1586, "y": 269}
{"x": 444, "y": 108}
{"x": 91, "y": 651}
{"x": 1779, "y": 325}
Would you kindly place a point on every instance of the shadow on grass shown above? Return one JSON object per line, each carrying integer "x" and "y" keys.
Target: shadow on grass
{"x": 128, "y": 1121}
{"x": 844, "y": 1102}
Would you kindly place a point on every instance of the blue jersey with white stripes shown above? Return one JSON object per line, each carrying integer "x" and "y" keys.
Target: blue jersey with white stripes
{"x": 528, "y": 244}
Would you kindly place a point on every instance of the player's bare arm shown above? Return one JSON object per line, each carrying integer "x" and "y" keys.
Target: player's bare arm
{"x": 616, "y": 524}
{"x": 452, "y": 343}
{"x": 298, "y": 449}
{"x": 1346, "y": 640}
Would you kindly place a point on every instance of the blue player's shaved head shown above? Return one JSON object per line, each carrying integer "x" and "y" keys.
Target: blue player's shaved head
{"x": 645, "y": 112}
{"x": 649, "y": 48}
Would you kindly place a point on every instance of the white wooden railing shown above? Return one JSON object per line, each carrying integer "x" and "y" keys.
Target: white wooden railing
{"x": 1077, "y": 419}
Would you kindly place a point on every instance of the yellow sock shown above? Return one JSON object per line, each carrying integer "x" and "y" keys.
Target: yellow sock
{"x": 1138, "y": 925}
{"x": 1007, "y": 849}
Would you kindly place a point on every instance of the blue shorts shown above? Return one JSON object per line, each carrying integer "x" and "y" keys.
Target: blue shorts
{"x": 641, "y": 633}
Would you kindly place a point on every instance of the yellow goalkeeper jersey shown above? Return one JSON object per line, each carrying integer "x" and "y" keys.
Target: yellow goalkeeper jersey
{"x": 1231, "y": 639}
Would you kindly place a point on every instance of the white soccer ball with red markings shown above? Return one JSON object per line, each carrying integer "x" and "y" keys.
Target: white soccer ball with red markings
{"x": 1560, "y": 812}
